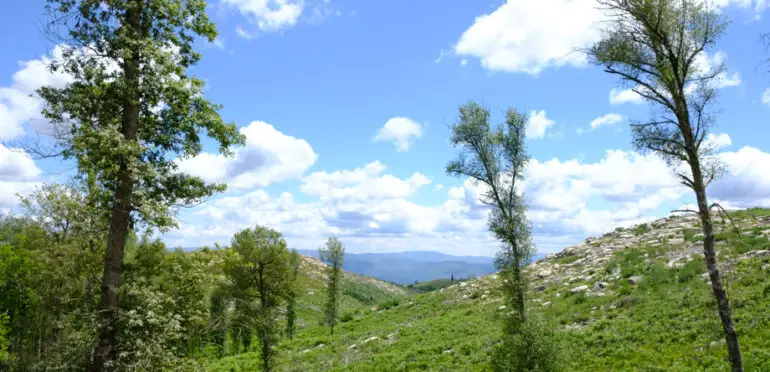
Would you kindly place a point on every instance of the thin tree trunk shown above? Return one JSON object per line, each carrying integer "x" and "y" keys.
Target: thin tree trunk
{"x": 106, "y": 348}
{"x": 725, "y": 314}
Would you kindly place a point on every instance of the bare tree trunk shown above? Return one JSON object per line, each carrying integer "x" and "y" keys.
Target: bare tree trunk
{"x": 725, "y": 314}
{"x": 107, "y": 348}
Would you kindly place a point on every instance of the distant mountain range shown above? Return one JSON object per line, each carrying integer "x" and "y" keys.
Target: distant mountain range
{"x": 408, "y": 267}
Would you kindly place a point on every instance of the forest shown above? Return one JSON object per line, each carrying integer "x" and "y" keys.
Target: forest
{"x": 87, "y": 284}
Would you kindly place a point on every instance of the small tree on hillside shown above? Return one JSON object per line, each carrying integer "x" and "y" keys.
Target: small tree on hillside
{"x": 291, "y": 300}
{"x": 495, "y": 158}
{"x": 259, "y": 269}
{"x": 333, "y": 254}
{"x": 129, "y": 113}
{"x": 659, "y": 48}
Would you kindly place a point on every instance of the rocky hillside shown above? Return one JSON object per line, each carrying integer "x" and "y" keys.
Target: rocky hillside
{"x": 632, "y": 299}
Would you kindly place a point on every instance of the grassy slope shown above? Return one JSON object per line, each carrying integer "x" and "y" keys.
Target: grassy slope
{"x": 665, "y": 322}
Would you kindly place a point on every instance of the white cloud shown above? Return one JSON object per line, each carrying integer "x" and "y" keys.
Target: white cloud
{"x": 219, "y": 42}
{"x": 269, "y": 156}
{"x": 240, "y": 31}
{"x": 367, "y": 183}
{"x": 438, "y": 187}
{"x": 747, "y": 181}
{"x": 18, "y": 174}
{"x": 608, "y": 119}
{"x": 705, "y": 63}
{"x": 766, "y": 97}
{"x": 528, "y": 36}
{"x": 19, "y": 104}
{"x": 16, "y": 165}
{"x": 268, "y": 15}
{"x": 619, "y": 97}
{"x": 718, "y": 141}
{"x": 401, "y": 131}
{"x": 568, "y": 200}
{"x": 537, "y": 124}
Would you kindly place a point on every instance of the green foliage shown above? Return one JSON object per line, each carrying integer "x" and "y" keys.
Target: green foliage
{"x": 432, "y": 285}
{"x": 333, "y": 253}
{"x": 568, "y": 259}
{"x": 259, "y": 268}
{"x": 534, "y": 346}
{"x": 164, "y": 307}
{"x": 640, "y": 229}
{"x": 389, "y": 304}
{"x": 291, "y": 300}
{"x": 4, "y": 356}
{"x": 692, "y": 235}
{"x": 171, "y": 108}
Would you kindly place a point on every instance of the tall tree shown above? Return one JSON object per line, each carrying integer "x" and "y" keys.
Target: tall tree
{"x": 659, "y": 47}
{"x": 260, "y": 269}
{"x": 333, "y": 253}
{"x": 131, "y": 110}
{"x": 291, "y": 301}
{"x": 495, "y": 158}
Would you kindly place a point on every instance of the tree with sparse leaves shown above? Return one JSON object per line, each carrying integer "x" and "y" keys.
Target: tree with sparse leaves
{"x": 658, "y": 47}
{"x": 333, "y": 254}
{"x": 128, "y": 114}
{"x": 495, "y": 158}
{"x": 260, "y": 270}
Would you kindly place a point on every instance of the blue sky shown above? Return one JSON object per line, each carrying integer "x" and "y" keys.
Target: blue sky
{"x": 346, "y": 105}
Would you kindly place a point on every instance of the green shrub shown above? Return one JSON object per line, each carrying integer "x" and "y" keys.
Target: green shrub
{"x": 348, "y": 316}
{"x": 535, "y": 347}
{"x": 641, "y": 229}
{"x": 692, "y": 235}
{"x": 389, "y": 304}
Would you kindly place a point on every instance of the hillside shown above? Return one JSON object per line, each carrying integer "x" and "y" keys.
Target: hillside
{"x": 632, "y": 299}
{"x": 408, "y": 267}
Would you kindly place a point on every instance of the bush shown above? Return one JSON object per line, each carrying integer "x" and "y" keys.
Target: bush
{"x": 641, "y": 229}
{"x": 3, "y": 340}
{"x": 348, "y": 316}
{"x": 535, "y": 347}
{"x": 388, "y": 304}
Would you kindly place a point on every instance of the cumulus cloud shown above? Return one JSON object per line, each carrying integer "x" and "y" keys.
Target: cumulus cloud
{"x": 277, "y": 15}
{"x": 268, "y": 15}
{"x": 568, "y": 200}
{"x": 766, "y": 97}
{"x": 269, "y": 156}
{"x": 608, "y": 119}
{"x": 18, "y": 103}
{"x": 401, "y": 131}
{"x": 747, "y": 182}
{"x": 621, "y": 96}
{"x": 18, "y": 175}
{"x": 529, "y": 36}
{"x": 537, "y": 124}
{"x": 718, "y": 141}
{"x": 367, "y": 183}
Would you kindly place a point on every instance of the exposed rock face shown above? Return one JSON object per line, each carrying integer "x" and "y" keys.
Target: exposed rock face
{"x": 579, "y": 289}
{"x": 591, "y": 267}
